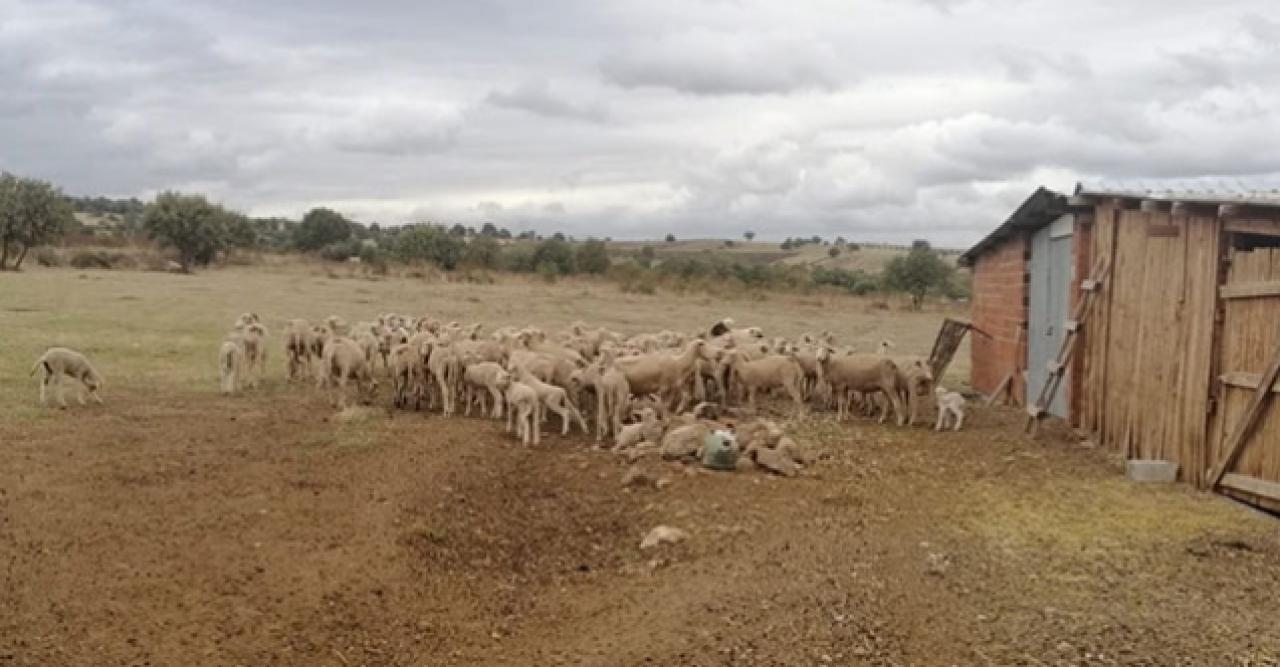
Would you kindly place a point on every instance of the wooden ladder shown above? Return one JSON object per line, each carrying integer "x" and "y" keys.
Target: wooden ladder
{"x": 1090, "y": 289}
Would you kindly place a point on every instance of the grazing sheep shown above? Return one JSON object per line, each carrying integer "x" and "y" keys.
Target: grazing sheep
{"x": 60, "y": 362}
{"x": 665, "y": 374}
{"x": 951, "y": 404}
{"x": 230, "y": 365}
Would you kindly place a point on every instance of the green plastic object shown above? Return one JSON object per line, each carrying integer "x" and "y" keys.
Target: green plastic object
{"x": 720, "y": 451}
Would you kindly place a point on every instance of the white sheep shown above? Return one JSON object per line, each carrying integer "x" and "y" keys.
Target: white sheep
{"x": 553, "y": 398}
{"x": 483, "y": 377}
{"x": 951, "y": 404}
{"x": 649, "y": 428}
{"x": 60, "y": 362}
{"x": 230, "y": 365}
{"x": 524, "y": 410}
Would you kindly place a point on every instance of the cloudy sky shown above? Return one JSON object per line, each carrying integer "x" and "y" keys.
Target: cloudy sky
{"x": 881, "y": 120}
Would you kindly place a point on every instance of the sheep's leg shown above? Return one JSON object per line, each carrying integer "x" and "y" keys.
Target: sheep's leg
{"x": 62, "y": 398}
{"x": 942, "y": 419}
{"x": 497, "y": 402}
{"x": 44, "y": 385}
{"x": 959, "y": 419}
{"x": 601, "y": 416}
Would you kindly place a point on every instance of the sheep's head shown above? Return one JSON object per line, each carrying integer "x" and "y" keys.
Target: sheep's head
{"x": 755, "y": 332}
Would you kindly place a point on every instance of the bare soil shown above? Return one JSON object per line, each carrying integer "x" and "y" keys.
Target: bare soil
{"x": 181, "y": 529}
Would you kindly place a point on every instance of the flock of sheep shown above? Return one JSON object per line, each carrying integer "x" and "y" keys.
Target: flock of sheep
{"x": 640, "y": 385}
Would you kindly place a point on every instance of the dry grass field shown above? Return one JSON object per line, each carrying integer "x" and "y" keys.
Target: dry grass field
{"x": 174, "y": 526}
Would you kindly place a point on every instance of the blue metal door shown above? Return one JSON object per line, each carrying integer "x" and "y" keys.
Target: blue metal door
{"x": 1049, "y": 307}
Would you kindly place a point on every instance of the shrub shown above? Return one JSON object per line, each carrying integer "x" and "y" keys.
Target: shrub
{"x": 557, "y": 254}
{"x": 592, "y": 257}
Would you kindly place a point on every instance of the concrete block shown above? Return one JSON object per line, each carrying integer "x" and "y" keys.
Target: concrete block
{"x": 1140, "y": 470}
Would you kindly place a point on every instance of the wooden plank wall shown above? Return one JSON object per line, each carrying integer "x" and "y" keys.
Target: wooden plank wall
{"x": 1149, "y": 352}
{"x": 1251, "y": 332}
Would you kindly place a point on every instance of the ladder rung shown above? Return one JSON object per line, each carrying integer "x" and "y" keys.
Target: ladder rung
{"x": 1034, "y": 411}
{"x": 1072, "y": 326}
{"x": 1089, "y": 285}
{"x": 1053, "y": 367}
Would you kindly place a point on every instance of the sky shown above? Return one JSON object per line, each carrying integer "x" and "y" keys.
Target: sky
{"x": 876, "y": 120}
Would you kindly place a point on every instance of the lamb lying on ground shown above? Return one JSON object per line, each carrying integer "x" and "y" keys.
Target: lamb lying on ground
{"x": 949, "y": 403}
{"x": 60, "y": 362}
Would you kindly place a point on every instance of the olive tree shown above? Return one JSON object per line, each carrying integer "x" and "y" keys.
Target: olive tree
{"x": 197, "y": 229}
{"x": 32, "y": 212}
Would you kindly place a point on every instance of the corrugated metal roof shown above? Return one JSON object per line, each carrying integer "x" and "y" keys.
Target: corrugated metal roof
{"x": 1041, "y": 208}
{"x": 1191, "y": 190}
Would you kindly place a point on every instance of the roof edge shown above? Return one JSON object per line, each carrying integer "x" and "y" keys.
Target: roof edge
{"x": 1037, "y": 210}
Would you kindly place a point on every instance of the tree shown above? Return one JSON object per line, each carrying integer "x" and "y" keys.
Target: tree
{"x": 671, "y": 238}
{"x": 430, "y": 243}
{"x": 488, "y": 229}
{"x": 646, "y": 257}
{"x": 592, "y": 256}
{"x": 917, "y": 273}
{"x": 749, "y": 235}
{"x": 554, "y": 255}
{"x": 559, "y": 236}
{"x": 458, "y": 230}
{"x": 188, "y": 224}
{"x": 482, "y": 252}
{"x": 816, "y": 240}
{"x": 32, "y": 212}
{"x": 786, "y": 245}
{"x": 241, "y": 232}
{"x": 321, "y": 227}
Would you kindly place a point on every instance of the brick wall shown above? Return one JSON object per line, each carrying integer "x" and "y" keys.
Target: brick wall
{"x": 1000, "y": 309}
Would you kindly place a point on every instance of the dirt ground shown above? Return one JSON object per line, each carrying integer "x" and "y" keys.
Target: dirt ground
{"x": 176, "y": 527}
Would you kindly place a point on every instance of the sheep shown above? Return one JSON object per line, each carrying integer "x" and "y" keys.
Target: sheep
{"x": 299, "y": 347}
{"x": 343, "y": 361}
{"x": 612, "y": 392}
{"x": 914, "y": 382}
{"x": 864, "y": 373}
{"x": 337, "y": 326}
{"x": 252, "y": 341}
{"x": 481, "y": 377}
{"x": 60, "y": 362}
{"x": 442, "y": 362}
{"x": 950, "y": 403}
{"x": 245, "y": 320}
{"x": 665, "y": 374}
{"x": 767, "y": 373}
{"x": 552, "y": 397}
{"x": 524, "y": 410}
{"x": 401, "y": 366}
{"x": 648, "y": 429}
{"x": 230, "y": 365}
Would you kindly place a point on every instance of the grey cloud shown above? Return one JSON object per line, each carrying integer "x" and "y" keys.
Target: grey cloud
{"x": 537, "y": 98}
{"x": 703, "y": 62}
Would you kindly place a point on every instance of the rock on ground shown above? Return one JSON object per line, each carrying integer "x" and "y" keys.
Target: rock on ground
{"x": 663, "y": 535}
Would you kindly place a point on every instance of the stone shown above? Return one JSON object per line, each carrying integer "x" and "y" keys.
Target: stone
{"x": 663, "y": 535}
{"x": 1151, "y": 471}
{"x": 635, "y": 477}
{"x": 776, "y": 462}
{"x": 794, "y": 451}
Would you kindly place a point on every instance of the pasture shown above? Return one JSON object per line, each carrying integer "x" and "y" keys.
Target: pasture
{"x": 174, "y": 525}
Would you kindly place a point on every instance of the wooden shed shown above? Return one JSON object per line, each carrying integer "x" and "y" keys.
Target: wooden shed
{"x": 1175, "y": 341}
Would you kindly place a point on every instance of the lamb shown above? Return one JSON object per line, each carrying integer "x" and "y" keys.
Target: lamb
{"x": 337, "y": 326}
{"x": 914, "y": 381}
{"x": 648, "y": 429}
{"x": 245, "y": 320}
{"x": 951, "y": 404}
{"x": 482, "y": 377}
{"x": 552, "y": 397}
{"x": 60, "y": 362}
{"x": 400, "y": 366}
{"x": 524, "y": 410}
{"x": 612, "y": 393}
{"x": 230, "y": 365}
